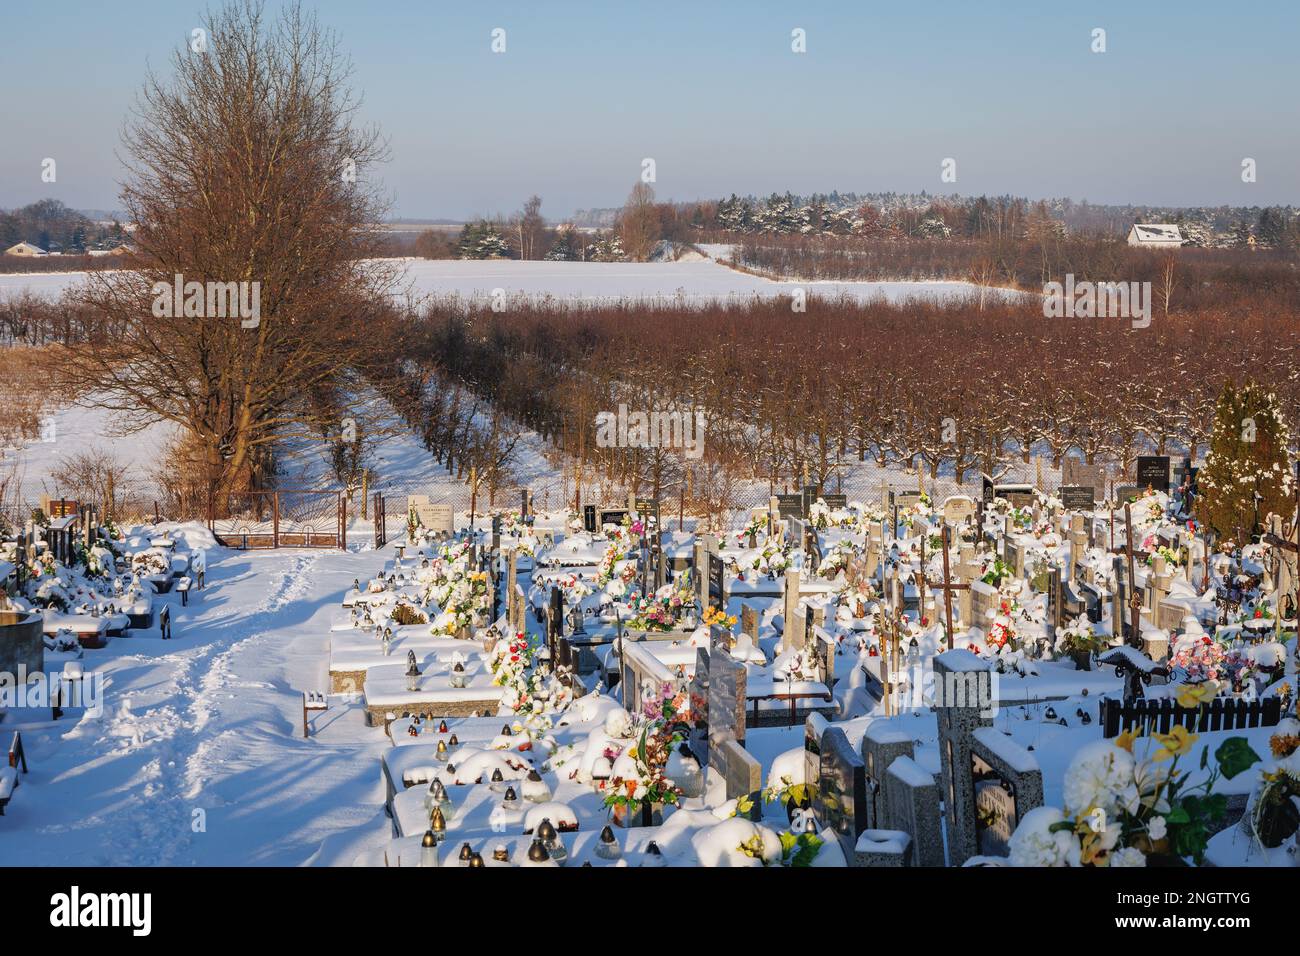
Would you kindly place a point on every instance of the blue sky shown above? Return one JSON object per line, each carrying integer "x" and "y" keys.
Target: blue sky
{"x": 712, "y": 92}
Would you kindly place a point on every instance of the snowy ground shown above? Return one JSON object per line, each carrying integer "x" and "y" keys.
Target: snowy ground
{"x": 695, "y": 282}
{"x": 210, "y": 722}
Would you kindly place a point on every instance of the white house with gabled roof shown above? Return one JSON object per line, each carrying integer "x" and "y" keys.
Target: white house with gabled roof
{"x": 1155, "y": 235}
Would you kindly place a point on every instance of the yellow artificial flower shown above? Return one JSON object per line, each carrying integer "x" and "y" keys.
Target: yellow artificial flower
{"x": 1175, "y": 743}
{"x": 1125, "y": 740}
{"x": 1193, "y": 695}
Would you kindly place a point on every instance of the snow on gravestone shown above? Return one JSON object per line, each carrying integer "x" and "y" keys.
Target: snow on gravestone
{"x": 1006, "y": 784}
{"x": 964, "y": 700}
{"x": 726, "y": 726}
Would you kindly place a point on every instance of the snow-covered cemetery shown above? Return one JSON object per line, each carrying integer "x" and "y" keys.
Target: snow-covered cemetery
{"x": 924, "y": 530}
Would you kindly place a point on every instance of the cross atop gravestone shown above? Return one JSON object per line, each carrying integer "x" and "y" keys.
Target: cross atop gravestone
{"x": 949, "y": 586}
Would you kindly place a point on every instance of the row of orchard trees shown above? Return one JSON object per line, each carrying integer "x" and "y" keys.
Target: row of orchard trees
{"x": 944, "y": 387}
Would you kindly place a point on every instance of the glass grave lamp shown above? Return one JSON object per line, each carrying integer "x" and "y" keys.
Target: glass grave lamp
{"x": 550, "y": 838}
{"x": 608, "y": 848}
{"x": 457, "y": 678}
{"x": 429, "y": 849}
{"x": 441, "y": 753}
{"x": 511, "y": 800}
{"x": 537, "y": 853}
{"x": 476, "y": 861}
{"x": 654, "y": 857}
{"x": 498, "y": 781}
{"x": 466, "y": 853}
{"x": 438, "y": 824}
{"x": 535, "y": 789}
{"x": 453, "y": 741}
{"x": 437, "y": 796}
{"x": 500, "y": 854}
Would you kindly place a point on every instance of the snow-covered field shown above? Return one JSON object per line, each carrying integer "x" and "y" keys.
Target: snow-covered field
{"x": 694, "y": 281}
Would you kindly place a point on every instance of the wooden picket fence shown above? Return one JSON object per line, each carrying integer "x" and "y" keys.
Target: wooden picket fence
{"x": 1158, "y": 716}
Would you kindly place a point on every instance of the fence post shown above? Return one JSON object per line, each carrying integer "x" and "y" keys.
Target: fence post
{"x": 343, "y": 522}
{"x": 275, "y": 519}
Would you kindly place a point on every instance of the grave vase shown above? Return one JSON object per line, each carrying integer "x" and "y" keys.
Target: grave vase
{"x": 641, "y": 815}
{"x": 1082, "y": 660}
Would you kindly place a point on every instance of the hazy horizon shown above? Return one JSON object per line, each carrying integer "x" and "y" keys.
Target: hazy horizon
{"x": 721, "y": 103}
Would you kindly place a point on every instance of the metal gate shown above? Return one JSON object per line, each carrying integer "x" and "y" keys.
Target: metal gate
{"x": 289, "y": 518}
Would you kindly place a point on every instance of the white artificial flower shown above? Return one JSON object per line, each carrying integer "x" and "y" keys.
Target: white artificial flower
{"x": 1157, "y": 828}
{"x": 1100, "y": 775}
{"x": 1034, "y": 844}
{"x": 1127, "y": 857}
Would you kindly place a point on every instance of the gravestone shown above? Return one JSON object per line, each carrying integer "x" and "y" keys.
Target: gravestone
{"x": 1006, "y": 783}
{"x": 958, "y": 509}
{"x": 1075, "y": 471}
{"x": 987, "y": 490}
{"x": 749, "y": 622}
{"x": 436, "y": 519}
{"x": 589, "y": 523}
{"x": 814, "y": 726}
{"x": 1077, "y": 497}
{"x": 889, "y": 848}
{"x": 698, "y": 701}
{"x": 790, "y": 602}
{"x": 742, "y": 774}
{"x": 790, "y": 506}
{"x": 717, "y": 582}
{"x": 912, "y": 796}
{"x": 841, "y": 790}
{"x": 882, "y": 743}
{"x": 612, "y": 516}
{"x": 963, "y": 695}
{"x": 835, "y": 502}
{"x": 1153, "y": 472}
{"x": 726, "y": 686}
{"x": 1124, "y": 493}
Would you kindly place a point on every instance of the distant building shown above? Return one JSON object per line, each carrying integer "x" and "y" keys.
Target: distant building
{"x": 1155, "y": 235}
{"x": 25, "y": 249}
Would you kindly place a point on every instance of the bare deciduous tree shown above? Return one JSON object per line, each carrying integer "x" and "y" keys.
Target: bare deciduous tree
{"x": 245, "y": 166}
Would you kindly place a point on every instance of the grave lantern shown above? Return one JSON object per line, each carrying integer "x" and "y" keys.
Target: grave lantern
{"x": 537, "y": 852}
{"x": 550, "y": 838}
{"x": 475, "y": 861}
{"x": 654, "y": 857}
{"x": 497, "y": 783}
{"x": 511, "y": 799}
{"x": 466, "y": 851}
{"x": 442, "y": 727}
{"x": 535, "y": 789}
{"x": 453, "y": 741}
{"x": 501, "y": 854}
{"x": 440, "y": 753}
{"x": 437, "y": 797}
{"x": 457, "y": 678}
{"x": 429, "y": 849}
{"x": 438, "y": 824}
{"x": 608, "y": 848}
